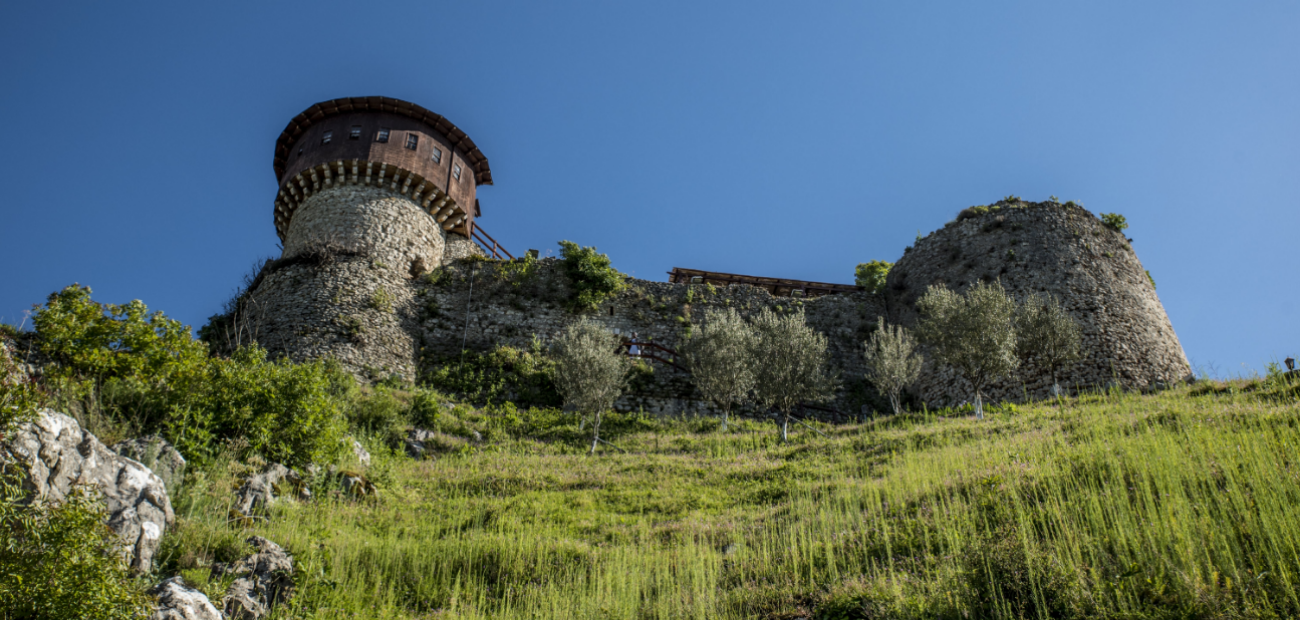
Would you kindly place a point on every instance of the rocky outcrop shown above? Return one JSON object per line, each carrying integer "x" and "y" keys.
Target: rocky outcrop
{"x": 57, "y": 455}
{"x": 261, "y": 490}
{"x": 158, "y": 455}
{"x": 262, "y": 581}
{"x": 177, "y": 601}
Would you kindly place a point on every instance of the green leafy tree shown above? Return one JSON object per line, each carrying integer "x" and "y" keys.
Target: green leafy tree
{"x": 790, "y": 364}
{"x": 719, "y": 356}
{"x": 589, "y": 372}
{"x": 1048, "y": 334}
{"x": 893, "y": 361}
{"x": 590, "y": 274}
{"x": 974, "y": 333}
{"x": 59, "y": 560}
{"x": 871, "y": 276}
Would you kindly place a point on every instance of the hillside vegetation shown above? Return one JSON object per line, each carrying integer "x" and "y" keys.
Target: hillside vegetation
{"x": 1180, "y": 504}
{"x": 1176, "y": 505}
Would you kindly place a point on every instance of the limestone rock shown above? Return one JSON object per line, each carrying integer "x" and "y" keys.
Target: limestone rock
{"x": 421, "y": 443}
{"x": 158, "y": 455}
{"x": 262, "y": 580}
{"x": 262, "y": 490}
{"x": 57, "y": 454}
{"x": 360, "y": 452}
{"x": 356, "y": 485}
{"x": 177, "y": 601}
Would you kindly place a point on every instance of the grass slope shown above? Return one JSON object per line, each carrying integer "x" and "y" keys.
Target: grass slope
{"x": 1176, "y": 505}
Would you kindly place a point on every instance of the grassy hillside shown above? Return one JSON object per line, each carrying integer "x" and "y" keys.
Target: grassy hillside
{"x": 1177, "y": 505}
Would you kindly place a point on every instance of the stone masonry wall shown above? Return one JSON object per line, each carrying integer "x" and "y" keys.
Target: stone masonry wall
{"x": 388, "y": 226}
{"x": 373, "y": 313}
{"x": 1051, "y": 248}
{"x": 512, "y": 311}
{"x": 357, "y": 310}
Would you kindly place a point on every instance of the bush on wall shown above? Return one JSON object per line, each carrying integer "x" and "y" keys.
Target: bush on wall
{"x": 592, "y": 278}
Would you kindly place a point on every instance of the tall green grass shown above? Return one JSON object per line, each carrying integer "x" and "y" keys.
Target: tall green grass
{"x": 1176, "y": 505}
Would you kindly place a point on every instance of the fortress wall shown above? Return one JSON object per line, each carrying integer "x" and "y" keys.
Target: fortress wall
{"x": 1067, "y": 252}
{"x": 458, "y": 247}
{"x": 388, "y": 226}
{"x": 355, "y": 309}
{"x": 510, "y": 312}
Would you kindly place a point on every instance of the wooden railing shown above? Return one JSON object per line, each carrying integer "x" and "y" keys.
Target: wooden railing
{"x": 489, "y": 244}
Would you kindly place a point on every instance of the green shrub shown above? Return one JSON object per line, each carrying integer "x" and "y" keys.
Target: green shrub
{"x": 381, "y": 300}
{"x": 1150, "y": 279}
{"x": 971, "y": 212}
{"x": 589, "y": 273}
{"x": 503, "y": 374}
{"x": 1114, "y": 220}
{"x": 382, "y": 413}
{"x": 58, "y": 560}
{"x": 285, "y": 411}
{"x": 20, "y": 397}
{"x": 871, "y": 276}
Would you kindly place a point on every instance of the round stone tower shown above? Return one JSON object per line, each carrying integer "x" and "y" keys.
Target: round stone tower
{"x": 373, "y": 192}
{"x": 1063, "y": 250}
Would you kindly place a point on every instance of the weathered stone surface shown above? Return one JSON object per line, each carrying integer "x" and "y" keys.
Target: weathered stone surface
{"x": 158, "y": 455}
{"x": 422, "y": 443}
{"x": 57, "y": 454}
{"x": 263, "y": 580}
{"x": 1057, "y": 249}
{"x": 356, "y": 485}
{"x": 262, "y": 490}
{"x": 360, "y": 452}
{"x": 327, "y": 310}
{"x": 387, "y": 225}
{"x": 177, "y": 601}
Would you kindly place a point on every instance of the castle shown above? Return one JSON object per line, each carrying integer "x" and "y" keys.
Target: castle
{"x": 375, "y": 192}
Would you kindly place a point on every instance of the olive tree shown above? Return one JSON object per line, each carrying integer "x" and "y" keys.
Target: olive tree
{"x": 1048, "y": 334}
{"x": 589, "y": 372}
{"x": 789, "y": 364}
{"x": 974, "y": 333}
{"x": 893, "y": 361}
{"x": 719, "y": 357}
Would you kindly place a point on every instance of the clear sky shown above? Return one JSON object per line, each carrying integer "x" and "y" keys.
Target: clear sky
{"x": 789, "y": 139}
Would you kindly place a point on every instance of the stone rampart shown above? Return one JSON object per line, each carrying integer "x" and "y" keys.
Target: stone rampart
{"x": 513, "y": 310}
{"x": 1048, "y": 248}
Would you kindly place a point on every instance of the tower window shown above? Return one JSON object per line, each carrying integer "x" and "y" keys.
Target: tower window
{"x": 326, "y": 137}
{"x": 355, "y": 134}
{"x": 437, "y": 155}
{"x": 383, "y": 135}
{"x": 455, "y": 171}
{"x": 412, "y": 140}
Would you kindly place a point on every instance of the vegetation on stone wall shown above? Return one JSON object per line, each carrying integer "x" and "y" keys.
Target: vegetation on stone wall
{"x": 522, "y": 376}
{"x": 1115, "y": 221}
{"x": 590, "y": 274}
{"x": 872, "y": 275}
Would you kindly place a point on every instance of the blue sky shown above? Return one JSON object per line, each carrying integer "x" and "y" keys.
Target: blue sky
{"x": 778, "y": 139}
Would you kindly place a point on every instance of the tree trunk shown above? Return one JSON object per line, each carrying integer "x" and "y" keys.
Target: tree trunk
{"x": 979, "y": 405}
{"x": 894, "y": 400}
{"x": 1056, "y": 388}
{"x": 725, "y": 411}
{"x": 785, "y": 428}
{"x": 595, "y": 433}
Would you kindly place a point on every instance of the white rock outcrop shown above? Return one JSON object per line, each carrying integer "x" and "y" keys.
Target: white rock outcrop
{"x": 57, "y": 454}
{"x": 262, "y": 581}
{"x": 177, "y": 601}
